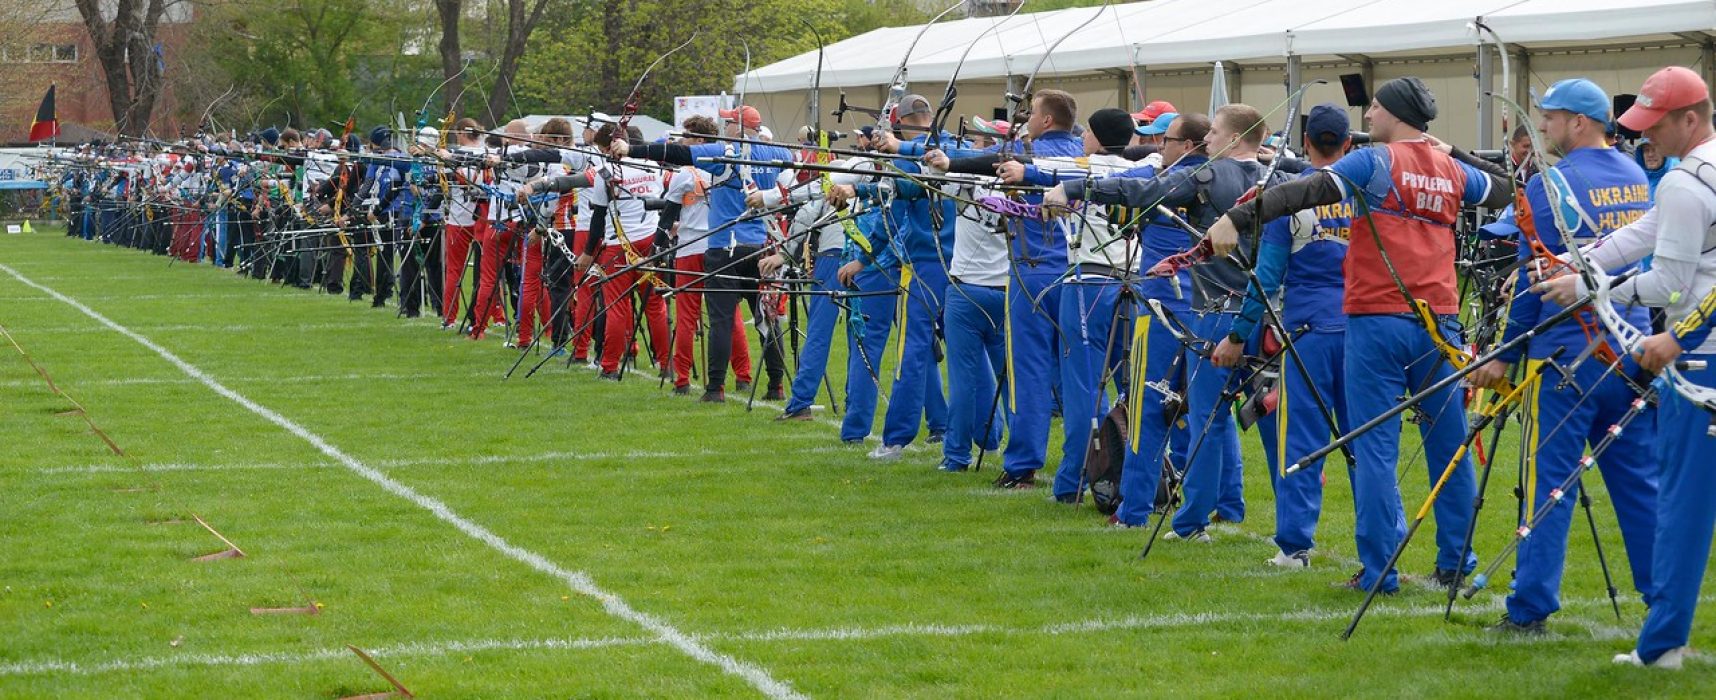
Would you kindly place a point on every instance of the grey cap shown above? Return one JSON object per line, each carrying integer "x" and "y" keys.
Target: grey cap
{"x": 912, "y": 104}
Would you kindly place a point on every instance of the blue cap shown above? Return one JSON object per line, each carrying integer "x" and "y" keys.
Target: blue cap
{"x": 1327, "y": 125}
{"x": 1158, "y": 127}
{"x": 1579, "y": 96}
{"x": 1504, "y": 227}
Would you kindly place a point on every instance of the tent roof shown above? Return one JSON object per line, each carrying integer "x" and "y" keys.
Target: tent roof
{"x": 1169, "y": 33}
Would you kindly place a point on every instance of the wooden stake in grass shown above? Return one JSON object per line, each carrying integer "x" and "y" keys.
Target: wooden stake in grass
{"x": 231, "y": 552}
{"x": 399, "y": 689}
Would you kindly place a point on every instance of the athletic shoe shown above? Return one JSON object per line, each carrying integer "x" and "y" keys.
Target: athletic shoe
{"x": 557, "y": 352}
{"x": 576, "y": 359}
{"x": 1217, "y": 518}
{"x": 741, "y": 387}
{"x": 1114, "y": 522}
{"x": 1671, "y": 660}
{"x": 855, "y": 442}
{"x": 514, "y": 344}
{"x": 802, "y": 414}
{"x": 887, "y": 452}
{"x": 1070, "y": 499}
{"x": 1445, "y": 578}
{"x": 714, "y": 396}
{"x": 774, "y": 393}
{"x": 1296, "y": 560}
{"x": 1507, "y": 626}
{"x": 666, "y": 373}
{"x": 935, "y": 438}
{"x": 682, "y": 391}
{"x": 1196, "y": 536}
{"x": 952, "y": 468}
{"x": 609, "y": 376}
{"x": 446, "y": 326}
{"x": 1018, "y": 482}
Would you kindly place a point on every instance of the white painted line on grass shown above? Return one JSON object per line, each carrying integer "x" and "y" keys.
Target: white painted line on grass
{"x": 294, "y": 379}
{"x": 1464, "y": 635}
{"x": 475, "y": 460}
{"x": 578, "y": 581}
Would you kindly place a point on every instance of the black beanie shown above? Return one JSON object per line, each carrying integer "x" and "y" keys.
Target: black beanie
{"x": 1409, "y": 100}
{"x": 1112, "y": 127}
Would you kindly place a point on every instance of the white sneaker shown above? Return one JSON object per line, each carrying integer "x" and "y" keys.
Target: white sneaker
{"x": 887, "y": 452}
{"x": 1199, "y": 536}
{"x": 1671, "y": 659}
{"x": 1296, "y": 560}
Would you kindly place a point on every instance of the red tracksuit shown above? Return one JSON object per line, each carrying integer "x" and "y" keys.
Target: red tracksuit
{"x": 497, "y": 239}
{"x": 617, "y": 295}
{"x": 688, "y": 312}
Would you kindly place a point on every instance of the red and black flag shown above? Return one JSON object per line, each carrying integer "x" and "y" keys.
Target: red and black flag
{"x": 45, "y": 126}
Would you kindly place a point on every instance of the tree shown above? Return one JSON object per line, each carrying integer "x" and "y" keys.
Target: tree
{"x": 125, "y": 46}
{"x": 589, "y": 59}
{"x": 313, "y": 62}
{"x": 522, "y": 17}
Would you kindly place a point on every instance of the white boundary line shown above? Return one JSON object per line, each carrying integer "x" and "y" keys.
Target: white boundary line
{"x": 296, "y": 379}
{"x": 578, "y": 581}
{"x": 474, "y": 460}
{"x": 1596, "y": 631}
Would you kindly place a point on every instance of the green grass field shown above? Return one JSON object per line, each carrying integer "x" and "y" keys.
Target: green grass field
{"x": 591, "y": 539}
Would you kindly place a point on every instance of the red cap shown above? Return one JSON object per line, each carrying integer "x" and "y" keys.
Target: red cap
{"x": 1153, "y": 110}
{"x": 753, "y": 118}
{"x": 999, "y": 127}
{"x": 1664, "y": 91}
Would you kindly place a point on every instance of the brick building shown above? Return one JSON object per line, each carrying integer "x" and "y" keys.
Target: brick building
{"x": 51, "y": 46}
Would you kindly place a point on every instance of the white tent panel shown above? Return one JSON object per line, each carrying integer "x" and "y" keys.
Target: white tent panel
{"x": 1392, "y": 26}
{"x": 1585, "y": 20}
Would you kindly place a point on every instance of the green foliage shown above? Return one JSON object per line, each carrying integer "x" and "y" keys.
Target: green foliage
{"x": 591, "y": 58}
{"x": 313, "y": 63}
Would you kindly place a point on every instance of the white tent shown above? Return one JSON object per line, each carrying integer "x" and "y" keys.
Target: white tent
{"x": 1183, "y": 32}
{"x": 1171, "y": 42}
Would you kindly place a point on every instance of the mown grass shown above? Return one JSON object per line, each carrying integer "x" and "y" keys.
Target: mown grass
{"x": 770, "y": 541}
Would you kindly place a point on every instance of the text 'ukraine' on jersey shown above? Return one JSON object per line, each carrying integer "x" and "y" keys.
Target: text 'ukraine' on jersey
{"x": 1314, "y": 286}
{"x": 1614, "y": 192}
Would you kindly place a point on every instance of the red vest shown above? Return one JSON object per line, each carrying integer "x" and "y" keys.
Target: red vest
{"x": 1415, "y": 223}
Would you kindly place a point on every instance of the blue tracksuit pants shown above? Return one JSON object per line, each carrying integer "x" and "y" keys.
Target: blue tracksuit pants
{"x": 1156, "y": 366}
{"x": 1033, "y": 301}
{"x": 1087, "y": 354}
{"x": 1297, "y": 428}
{"x": 1214, "y": 479}
{"x": 1629, "y": 473}
{"x": 917, "y": 392}
{"x": 1686, "y": 516}
{"x": 973, "y": 317}
{"x": 818, "y": 333}
{"x": 1390, "y": 356}
{"x": 864, "y": 352}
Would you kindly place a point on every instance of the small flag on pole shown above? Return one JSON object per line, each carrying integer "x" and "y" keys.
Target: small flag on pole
{"x": 45, "y": 126}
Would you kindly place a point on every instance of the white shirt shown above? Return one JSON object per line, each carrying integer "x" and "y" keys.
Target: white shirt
{"x": 626, "y": 210}
{"x": 1680, "y": 232}
{"x": 689, "y": 187}
{"x": 979, "y": 248}
{"x": 1091, "y": 238}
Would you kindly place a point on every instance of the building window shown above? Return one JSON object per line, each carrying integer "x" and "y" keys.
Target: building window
{"x": 42, "y": 53}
